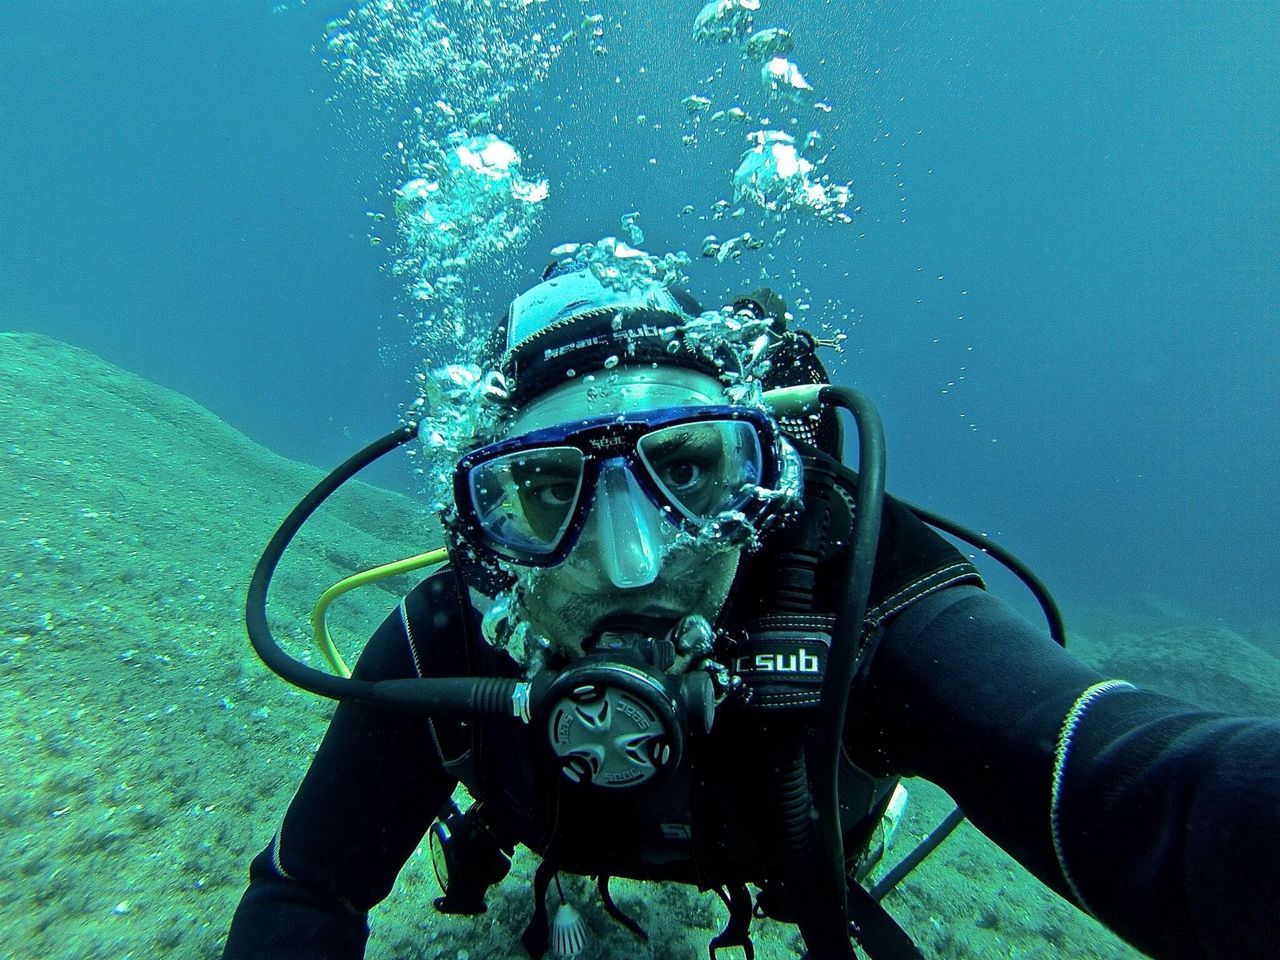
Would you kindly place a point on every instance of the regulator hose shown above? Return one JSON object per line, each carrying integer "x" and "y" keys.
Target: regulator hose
{"x": 845, "y": 646}
{"x": 819, "y": 909}
{"x": 782, "y": 716}
{"x": 1052, "y": 615}
{"x": 802, "y": 784}
{"x": 450, "y": 696}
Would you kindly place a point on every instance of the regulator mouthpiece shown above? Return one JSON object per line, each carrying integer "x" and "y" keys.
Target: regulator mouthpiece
{"x": 616, "y": 718}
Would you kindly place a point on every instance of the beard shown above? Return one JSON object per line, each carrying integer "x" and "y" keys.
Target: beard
{"x": 566, "y": 605}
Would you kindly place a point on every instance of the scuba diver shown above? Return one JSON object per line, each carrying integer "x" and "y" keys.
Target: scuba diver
{"x": 677, "y": 639}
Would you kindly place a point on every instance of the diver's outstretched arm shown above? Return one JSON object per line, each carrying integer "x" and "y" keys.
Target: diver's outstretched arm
{"x": 1160, "y": 819}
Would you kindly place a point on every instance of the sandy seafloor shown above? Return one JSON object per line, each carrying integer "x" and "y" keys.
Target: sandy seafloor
{"x": 148, "y": 755}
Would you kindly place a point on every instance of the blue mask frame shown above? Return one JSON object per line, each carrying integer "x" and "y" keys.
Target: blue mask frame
{"x": 600, "y": 439}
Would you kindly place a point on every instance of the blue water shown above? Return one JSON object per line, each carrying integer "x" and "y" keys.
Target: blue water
{"x": 1063, "y": 286}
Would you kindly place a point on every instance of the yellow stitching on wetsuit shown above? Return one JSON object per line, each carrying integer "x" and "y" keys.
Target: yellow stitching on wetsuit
{"x": 782, "y": 699}
{"x": 417, "y": 665}
{"x": 796, "y": 621}
{"x": 875, "y": 613}
{"x": 408, "y": 634}
{"x": 1065, "y": 736}
{"x": 275, "y": 857}
{"x": 278, "y": 866}
{"x": 903, "y": 597}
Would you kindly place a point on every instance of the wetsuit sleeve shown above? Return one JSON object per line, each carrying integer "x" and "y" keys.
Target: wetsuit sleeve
{"x": 372, "y": 790}
{"x": 1158, "y": 818}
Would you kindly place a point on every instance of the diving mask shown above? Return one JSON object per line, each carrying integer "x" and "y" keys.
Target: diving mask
{"x": 526, "y": 499}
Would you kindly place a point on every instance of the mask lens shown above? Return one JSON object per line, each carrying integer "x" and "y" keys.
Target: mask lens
{"x": 703, "y": 468}
{"x": 526, "y": 500}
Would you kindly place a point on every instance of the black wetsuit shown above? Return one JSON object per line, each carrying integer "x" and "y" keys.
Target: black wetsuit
{"x": 1167, "y": 817}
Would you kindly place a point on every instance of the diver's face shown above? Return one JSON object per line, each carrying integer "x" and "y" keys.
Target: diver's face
{"x": 629, "y": 559}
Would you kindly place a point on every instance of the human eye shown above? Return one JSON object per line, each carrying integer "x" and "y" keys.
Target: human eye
{"x": 552, "y": 492}
{"x": 681, "y": 473}
{"x": 685, "y": 460}
{"x": 547, "y": 484}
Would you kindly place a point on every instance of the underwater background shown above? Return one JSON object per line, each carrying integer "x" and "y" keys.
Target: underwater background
{"x": 1056, "y": 270}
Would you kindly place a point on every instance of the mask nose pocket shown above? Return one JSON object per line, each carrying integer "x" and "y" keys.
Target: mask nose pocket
{"x": 627, "y": 528}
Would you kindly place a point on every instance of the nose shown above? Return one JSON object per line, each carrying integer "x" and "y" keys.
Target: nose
{"x": 624, "y": 531}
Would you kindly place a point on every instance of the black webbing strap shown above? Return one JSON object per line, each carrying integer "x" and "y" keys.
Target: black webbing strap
{"x": 876, "y": 931}
{"x": 615, "y": 911}
{"x": 537, "y": 935}
{"x": 737, "y": 932}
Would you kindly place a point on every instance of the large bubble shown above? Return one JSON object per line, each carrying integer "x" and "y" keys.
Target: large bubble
{"x": 472, "y": 206}
{"x": 782, "y": 78}
{"x": 722, "y": 21}
{"x": 767, "y": 44}
{"x": 774, "y": 174}
{"x": 430, "y": 85}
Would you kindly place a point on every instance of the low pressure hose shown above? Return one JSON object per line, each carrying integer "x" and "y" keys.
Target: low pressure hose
{"x": 811, "y": 857}
{"x": 819, "y": 908}
{"x": 1052, "y": 615}
{"x": 782, "y": 727}
{"x": 450, "y": 696}
{"x": 845, "y": 647}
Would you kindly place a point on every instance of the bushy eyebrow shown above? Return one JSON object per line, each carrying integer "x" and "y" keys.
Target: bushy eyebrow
{"x": 675, "y": 442}
{"x": 554, "y": 471}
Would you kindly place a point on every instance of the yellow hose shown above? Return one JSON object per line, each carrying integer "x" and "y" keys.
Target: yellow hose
{"x": 318, "y": 622}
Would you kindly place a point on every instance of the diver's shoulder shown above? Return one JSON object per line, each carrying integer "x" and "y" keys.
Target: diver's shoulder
{"x": 435, "y": 601}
